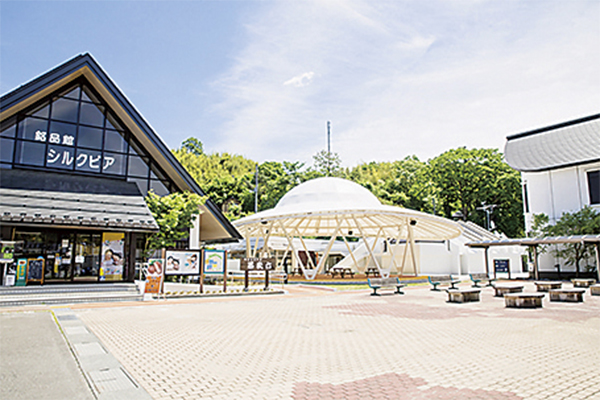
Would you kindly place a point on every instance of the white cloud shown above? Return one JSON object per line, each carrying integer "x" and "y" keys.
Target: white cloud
{"x": 300, "y": 80}
{"x": 402, "y": 78}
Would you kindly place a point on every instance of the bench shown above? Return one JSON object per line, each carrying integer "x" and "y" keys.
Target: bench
{"x": 442, "y": 280}
{"x": 545, "y": 286}
{"x": 480, "y": 278}
{"x": 595, "y": 290}
{"x": 568, "y": 295}
{"x": 501, "y": 290}
{"x": 372, "y": 270}
{"x": 523, "y": 300}
{"x": 463, "y": 295}
{"x": 342, "y": 271}
{"x": 585, "y": 283}
{"x": 385, "y": 283}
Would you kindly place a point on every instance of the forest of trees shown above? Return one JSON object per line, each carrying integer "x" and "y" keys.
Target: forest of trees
{"x": 457, "y": 183}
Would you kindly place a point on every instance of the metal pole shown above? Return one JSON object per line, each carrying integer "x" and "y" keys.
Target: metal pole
{"x": 328, "y": 148}
{"x": 256, "y": 190}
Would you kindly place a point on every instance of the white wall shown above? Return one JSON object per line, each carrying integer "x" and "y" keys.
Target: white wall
{"x": 557, "y": 191}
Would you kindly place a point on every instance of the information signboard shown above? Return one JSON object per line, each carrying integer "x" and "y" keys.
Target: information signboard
{"x": 35, "y": 269}
{"x": 257, "y": 264}
{"x": 501, "y": 265}
{"x": 154, "y": 275}
{"x": 214, "y": 262}
{"x": 182, "y": 262}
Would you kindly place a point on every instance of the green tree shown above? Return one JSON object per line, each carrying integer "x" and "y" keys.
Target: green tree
{"x": 469, "y": 179}
{"x": 174, "y": 215}
{"x": 327, "y": 164}
{"x": 193, "y": 145}
{"x": 583, "y": 222}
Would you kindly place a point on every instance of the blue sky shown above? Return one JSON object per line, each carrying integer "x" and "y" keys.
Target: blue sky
{"x": 262, "y": 78}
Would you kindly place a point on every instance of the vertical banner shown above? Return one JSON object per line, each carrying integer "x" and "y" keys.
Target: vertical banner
{"x": 154, "y": 275}
{"x": 111, "y": 264}
{"x": 21, "y": 279}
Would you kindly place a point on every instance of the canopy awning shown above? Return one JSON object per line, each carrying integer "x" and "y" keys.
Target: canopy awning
{"x": 537, "y": 241}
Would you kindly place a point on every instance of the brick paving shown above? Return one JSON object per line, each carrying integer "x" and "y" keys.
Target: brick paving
{"x": 313, "y": 344}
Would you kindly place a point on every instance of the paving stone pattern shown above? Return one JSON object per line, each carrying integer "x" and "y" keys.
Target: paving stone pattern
{"x": 316, "y": 344}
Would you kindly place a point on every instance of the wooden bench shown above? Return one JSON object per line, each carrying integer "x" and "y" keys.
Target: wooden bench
{"x": 595, "y": 290}
{"x": 341, "y": 271}
{"x": 545, "y": 286}
{"x": 385, "y": 283}
{"x": 567, "y": 295}
{"x": 480, "y": 278}
{"x": 442, "y": 280}
{"x": 372, "y": 270}
{"x": 523, "y": 300}
{"x": 463, "y": 295}
{"x": 585, "y": 283}
{"x": 501, "y": 290}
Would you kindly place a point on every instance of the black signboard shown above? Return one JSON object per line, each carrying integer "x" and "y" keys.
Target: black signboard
{"x": 501, "y": 265}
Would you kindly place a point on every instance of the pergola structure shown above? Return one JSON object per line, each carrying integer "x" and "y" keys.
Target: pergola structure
{"x": 334, "y": 208}
{"x": 535, "y": 242}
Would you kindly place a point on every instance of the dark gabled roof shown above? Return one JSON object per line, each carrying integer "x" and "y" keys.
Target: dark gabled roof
{"x": 215, "y": 229}
{"x": 48, "y": 198}
{"x": 562, "y": 145}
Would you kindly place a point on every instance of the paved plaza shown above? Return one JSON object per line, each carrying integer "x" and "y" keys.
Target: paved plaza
{"x": 318, "y": 344}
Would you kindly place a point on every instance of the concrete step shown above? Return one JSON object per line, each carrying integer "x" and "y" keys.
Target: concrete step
{"x": 65, "y": 294}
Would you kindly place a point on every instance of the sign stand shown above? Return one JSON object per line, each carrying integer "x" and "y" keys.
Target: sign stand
{"x": 257, "y": 264}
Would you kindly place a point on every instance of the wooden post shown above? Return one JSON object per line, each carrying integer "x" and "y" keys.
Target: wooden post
{"x": 201, "y": 279}
{"x": 597, "y": 249}
{"x": 225, "y": 272}
{"x": 535, "y": 263}
{"x": 267, "y": 279}
{"x": 163, "y": 253}
{"x": 487, "y": 262}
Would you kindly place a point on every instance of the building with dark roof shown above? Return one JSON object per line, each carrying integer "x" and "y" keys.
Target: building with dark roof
{"x": 76, "y": 161}
{"x": 560, "y": 169}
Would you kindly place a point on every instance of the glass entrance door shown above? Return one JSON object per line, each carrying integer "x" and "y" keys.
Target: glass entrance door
{"x": 59, "y": 249}
{"x": 87, "y": 257}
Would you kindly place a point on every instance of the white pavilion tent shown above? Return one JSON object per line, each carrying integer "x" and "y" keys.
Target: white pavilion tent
{"x": 333, "y": 208}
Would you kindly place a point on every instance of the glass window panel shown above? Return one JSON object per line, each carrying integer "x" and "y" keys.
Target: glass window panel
{"x": 114, "y": 141}
{"x": 30, "y": 153}
{"x": 594, "y": 186}
{"x": 60, "y": 157}
{"x": 159, "y": 188}
{"x": 134, "y": 148}
{"x": 64, "y": 110}
{"x": 91, "y": 114}
{"x": 141, "y": 183}
{"x": 88, "y": 160}
{"x": 9, "y": 129}
{"x": 29, "y": 126}
{"x": 61, "y": 133}
{"x": 137, "y": 167}
{"x": 114, "y": 164}
{"x": 42, "y": 111}
{"x": 89, "y": 137}
{"x": 71, "y": 94}
{"x": 156, "y": 174}
{"x": 6, "y": 150}
{"x": 87, "y": 95}
{"x": 111, "y": 122}
{"x": 5, "y": 166}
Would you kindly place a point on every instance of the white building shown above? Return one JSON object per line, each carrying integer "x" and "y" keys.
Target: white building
{"x": 560, "y": 169}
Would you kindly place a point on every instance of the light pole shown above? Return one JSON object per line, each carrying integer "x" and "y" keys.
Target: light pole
{"x": 487, "y": 209}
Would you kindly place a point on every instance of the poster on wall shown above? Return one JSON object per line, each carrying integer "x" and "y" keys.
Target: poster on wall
{"x": 154, "y": 275}
{"x": 214, "y": 262}
{"x": 111, "y": 265}
{"x": 182, "y": 262}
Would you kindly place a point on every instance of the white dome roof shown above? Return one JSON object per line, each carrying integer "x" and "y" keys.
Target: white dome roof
{"x": 328, "y": 194}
